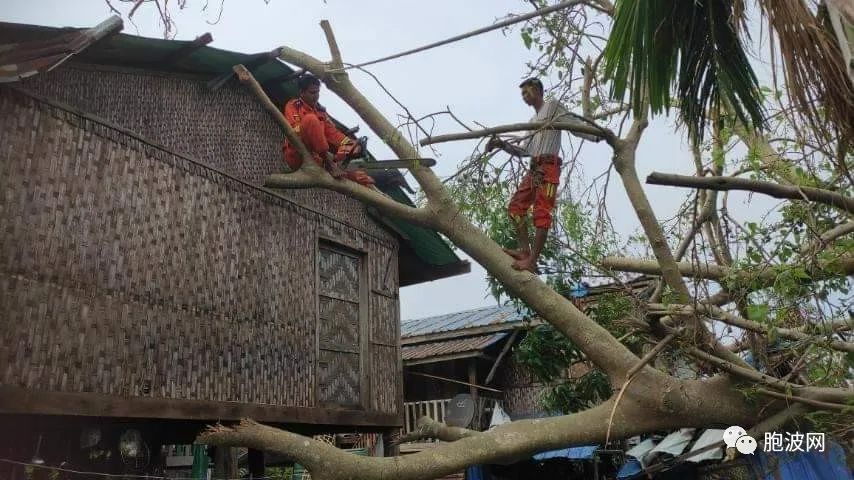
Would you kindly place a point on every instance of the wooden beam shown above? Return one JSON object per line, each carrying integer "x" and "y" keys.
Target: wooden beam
{"x": 19, "y": 400}
{"x": 189, "y": 48}
{"x": 504, "y": 351}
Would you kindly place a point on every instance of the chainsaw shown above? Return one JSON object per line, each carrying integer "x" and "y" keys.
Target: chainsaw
{"x": 359, "y": 160}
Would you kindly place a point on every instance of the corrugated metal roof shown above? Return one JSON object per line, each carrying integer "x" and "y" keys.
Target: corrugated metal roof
{"x": 435, "y": 349}
{"x": 460, "y": 320}
{"x": 505, "y": 314}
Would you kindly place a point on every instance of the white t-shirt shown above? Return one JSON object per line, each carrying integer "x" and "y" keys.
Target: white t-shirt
{"x": 547, "y": 142}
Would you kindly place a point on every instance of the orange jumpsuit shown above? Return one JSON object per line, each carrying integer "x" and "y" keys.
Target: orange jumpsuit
{"x": 319, "y": 136}
{"x": 537, "y": 189}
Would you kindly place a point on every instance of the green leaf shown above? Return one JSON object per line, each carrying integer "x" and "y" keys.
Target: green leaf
{"x": 757, "y": 313}
{"x": 526, "y": 38}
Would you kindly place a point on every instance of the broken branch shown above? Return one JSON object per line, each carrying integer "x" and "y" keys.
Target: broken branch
{"x": 735, "y": 320}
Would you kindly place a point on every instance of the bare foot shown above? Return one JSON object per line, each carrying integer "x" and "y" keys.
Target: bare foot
{"x": 516, "y": 254}
{"x": 526, "y": 263}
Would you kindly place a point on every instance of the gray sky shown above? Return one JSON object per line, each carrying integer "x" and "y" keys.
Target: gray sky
{"x": 477, "y": 78}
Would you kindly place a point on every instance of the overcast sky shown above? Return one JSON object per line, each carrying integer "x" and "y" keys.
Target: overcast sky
{"x": 477, "y": 78}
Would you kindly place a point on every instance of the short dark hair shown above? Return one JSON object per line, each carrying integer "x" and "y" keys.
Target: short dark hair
{"x": 534, "y": 82}
{"x": 307, "y": 80}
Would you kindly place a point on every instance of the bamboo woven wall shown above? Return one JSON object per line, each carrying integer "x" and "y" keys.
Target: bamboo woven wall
{"x": 226, "y": 129}
{"x": 126, "y": 269}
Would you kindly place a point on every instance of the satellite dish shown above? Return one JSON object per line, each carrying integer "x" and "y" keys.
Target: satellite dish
{"x": 461, "y": 411}
{"x": 133, "y": 450}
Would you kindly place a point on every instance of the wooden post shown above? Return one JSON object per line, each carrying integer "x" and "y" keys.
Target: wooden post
{"x": 256, "y": 464}
{"x": 390, "y": 450}
{"x": 225, "y": 463}
{"x": 219, "y": 470}
{"x": 473, "y": 379}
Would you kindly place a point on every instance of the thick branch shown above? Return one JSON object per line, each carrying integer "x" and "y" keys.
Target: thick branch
{"x": 766, "y": 277}
{"x": 577, "y": 127}
{"x": 429, "y": 428}
{"x": 773, "y": 189}
{"x": 624, "y": 162}
{"x": 515, "y": 440}
{"x": 246, "y": 77}
{"x": 320, "y": 179}
{"x": 746, "y": 324}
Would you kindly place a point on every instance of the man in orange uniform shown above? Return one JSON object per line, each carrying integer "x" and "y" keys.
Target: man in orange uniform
{"x": 328, "y": 146}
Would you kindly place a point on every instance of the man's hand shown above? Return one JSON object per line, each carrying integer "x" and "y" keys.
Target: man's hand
{"x": 493, "y": 143}
{"x": 333, "y": 167}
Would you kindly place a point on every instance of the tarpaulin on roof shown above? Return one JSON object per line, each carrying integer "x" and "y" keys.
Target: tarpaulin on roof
{"x": 582, "y": 452}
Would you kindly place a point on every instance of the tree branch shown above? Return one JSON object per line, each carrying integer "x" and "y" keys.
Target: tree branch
{"x": 828, "y": 237}
{"x": 805, "y": 401}
{"x": 577, "y": 127}
{"x": 511, "y": 441}
{"x": 764, "y": 277}
{"x": 734, "y": 320}
{"x": 429, "y": 428}
{"x": 320, "y": 179}
{"x": 246, "y": 77}
{"x": 836, "y": 395}
{"x": 773, "y": 189}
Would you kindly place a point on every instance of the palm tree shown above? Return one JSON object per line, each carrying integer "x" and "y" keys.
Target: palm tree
{"x": 693, "y": 53}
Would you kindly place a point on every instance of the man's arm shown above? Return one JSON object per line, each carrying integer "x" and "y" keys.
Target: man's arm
{"x": 333, "y": 135}
{"x": 505, "y": 145}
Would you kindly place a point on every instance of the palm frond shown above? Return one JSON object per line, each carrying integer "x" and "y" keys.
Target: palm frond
{"x": 815, "y": 71}
{"x": 690, "y": 48}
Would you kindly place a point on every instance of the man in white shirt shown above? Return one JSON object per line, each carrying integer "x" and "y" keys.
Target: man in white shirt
{"x": 539, "y": 185}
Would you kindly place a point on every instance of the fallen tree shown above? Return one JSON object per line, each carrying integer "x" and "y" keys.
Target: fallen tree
{"x": 647, "y": 398}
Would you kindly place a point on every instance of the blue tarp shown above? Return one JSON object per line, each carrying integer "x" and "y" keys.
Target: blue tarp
{"x": 630, "y": 469}
{"x": 813, "y": 465}
{"x": 474, "y": 472}
{"x": 583, "y": 452}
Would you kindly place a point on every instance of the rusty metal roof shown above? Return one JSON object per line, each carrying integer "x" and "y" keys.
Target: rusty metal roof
{"x": 25, "y": 59}
{"x": 479, "y": 317}
{"x": 448, "y": 347}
